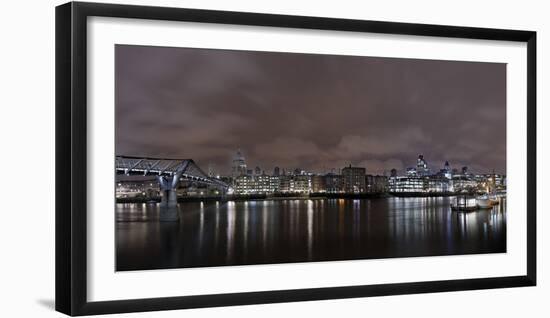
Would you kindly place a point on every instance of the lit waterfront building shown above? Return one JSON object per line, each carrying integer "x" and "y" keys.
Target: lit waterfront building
{"x": 399, "y": 184}
{"x": 464, "y": 181}
{"x": 257, "y": 184}
{"x": 318, "y": 184}
{"x": 275, "y": 183}
{"x": 419, "y": 179}
{"x": 190, "y": 189}
{"x": 263, "y": 183}
{"x": 376, "y": 184}
{"x": 428, "y": 184}
{"x": 499, "y": 181}
{"x": 245, "y": 184}
{"x": 354, "y": 179}
{"x": 439, "y": 184}
{"x": 464, "y": 184}
{"x": 349, "y": 182}
{"x": 238, "y": 168}
{"x": 302, "y": 184}
{"x": 334, "y": 183}
{"x": 137, "y": 189}
{"x": 295, "y": 184}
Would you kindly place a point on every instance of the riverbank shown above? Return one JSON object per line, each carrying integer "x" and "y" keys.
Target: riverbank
{"x": 422, "y": 194}
{"x": 260, "y": 197}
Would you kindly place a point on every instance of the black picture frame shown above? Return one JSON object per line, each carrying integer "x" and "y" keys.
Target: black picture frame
{"x": 71, "y": 157}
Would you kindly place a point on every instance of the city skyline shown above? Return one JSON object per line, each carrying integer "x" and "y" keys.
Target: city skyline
{"x": 314, "y": 112}
{"x": 253, "y": 168}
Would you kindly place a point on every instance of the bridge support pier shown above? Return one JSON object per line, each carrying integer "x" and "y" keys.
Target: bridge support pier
{"x": 169, "y": 201}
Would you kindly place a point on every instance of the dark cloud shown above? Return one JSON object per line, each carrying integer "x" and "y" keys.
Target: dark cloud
{"x": 310, "y": 111}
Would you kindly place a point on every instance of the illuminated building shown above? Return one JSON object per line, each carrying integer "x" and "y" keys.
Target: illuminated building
{"x": 439, "y": 184}
{"x": 446, "y": 171}
{"x": 411, "y": 172}
{"x": 137, "y": 189}
{"x": 464, "y": 183}
{"x": 334, "y": 183}
{"x": 258, "y": 184}
{"x": 422, "y": 166}
{"x": 492, "y": 182}
{"x": 245, "y": 184}
{"x": 354, "y": 179}
{"x": 376, "y": 184}
{"x": 275, "y": 183}
{"x": 238, "y": 167}
{"x": 421, "y": 169}
{"x": 406, "y": 184}
{"x": 295, "y": 184}
{"x": 263, "y": 183}
{"x": 318, "y": 184}
{"x": 419, "y": 179}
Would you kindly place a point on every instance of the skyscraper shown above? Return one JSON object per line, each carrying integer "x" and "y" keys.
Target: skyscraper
{"x": 422, "y": 166}
{"x": 238, "y": 167}
{"x": 447, "y": 170}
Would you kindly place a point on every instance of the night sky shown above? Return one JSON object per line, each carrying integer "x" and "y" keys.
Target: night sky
{"x": 314, "y": 112}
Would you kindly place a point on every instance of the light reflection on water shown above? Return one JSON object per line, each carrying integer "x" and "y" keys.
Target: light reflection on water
{"x": 259, "y": 232}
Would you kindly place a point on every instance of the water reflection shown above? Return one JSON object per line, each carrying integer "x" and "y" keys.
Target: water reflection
{"x": 309, "y": 229}
{"x": 256, "y": 232}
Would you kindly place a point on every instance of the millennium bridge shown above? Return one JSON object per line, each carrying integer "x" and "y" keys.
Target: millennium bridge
{"x": 168, "y": 172}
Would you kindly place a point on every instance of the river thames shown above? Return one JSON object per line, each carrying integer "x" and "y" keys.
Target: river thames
{"x": 302, "y": 230}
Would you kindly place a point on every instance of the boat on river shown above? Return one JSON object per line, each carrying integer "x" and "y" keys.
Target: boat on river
{"x": 484, "y": 202}
{"x": 464, "y": 204}
{"x": 487, "y": 201}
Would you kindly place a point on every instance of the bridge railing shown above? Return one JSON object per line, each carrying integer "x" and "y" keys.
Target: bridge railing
{"x": 185, "y": 168}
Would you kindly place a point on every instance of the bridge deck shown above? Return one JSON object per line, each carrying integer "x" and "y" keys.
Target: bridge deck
{"x": 186, "y": 168}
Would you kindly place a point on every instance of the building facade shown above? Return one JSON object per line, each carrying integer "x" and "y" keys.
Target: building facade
{"x": 318, "y": 184}
{"x": 238, "y": 167}
{"x": 354, "y": 179}
{"x": 401, "y": 184}
{"x": 376, "y": 184}
{"x": 334, "y": 183}
{"x": 253, "y": 184}
{"x": 299, "y": 184}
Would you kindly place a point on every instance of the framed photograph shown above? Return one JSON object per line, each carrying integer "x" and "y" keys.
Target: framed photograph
{"x": 209, "y": 158}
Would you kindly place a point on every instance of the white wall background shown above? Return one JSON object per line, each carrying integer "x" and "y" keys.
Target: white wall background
{"x": 27, "y": 144}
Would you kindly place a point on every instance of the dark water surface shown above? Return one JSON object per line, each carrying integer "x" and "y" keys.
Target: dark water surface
{"x": 282, "y": 231}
